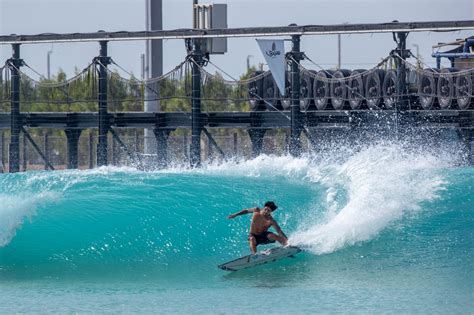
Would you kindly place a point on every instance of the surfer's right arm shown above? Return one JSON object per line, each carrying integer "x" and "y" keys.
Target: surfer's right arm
{"x": 245, "y": 211}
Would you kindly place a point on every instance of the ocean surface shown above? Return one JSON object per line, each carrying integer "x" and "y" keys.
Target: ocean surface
{"x": 385, "y": 229}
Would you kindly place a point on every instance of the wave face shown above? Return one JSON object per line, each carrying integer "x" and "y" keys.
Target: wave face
{"x": 119, "y": 220}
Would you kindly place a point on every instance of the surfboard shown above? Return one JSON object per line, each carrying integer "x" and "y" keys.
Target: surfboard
{"x": 262, "y": 257}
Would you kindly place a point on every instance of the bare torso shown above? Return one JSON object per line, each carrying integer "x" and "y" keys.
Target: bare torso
{"x": 260, "y": 223}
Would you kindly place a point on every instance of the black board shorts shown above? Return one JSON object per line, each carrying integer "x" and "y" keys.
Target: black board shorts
{"x": 262, "y": 238}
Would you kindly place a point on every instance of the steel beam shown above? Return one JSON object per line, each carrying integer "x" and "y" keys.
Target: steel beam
{"x": 245, "y": 120}
{"x": 429, "y": 26}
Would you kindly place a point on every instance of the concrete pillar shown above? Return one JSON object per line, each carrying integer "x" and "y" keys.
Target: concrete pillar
{"x": 256, "y": 138}
{"x": 72, "y": 147}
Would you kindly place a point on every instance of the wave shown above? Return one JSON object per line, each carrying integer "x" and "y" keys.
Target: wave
{"x": 382, "y": 184}
{"x": 124, "y": 217}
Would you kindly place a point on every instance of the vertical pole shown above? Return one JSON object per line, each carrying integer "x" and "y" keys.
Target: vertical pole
{"x": 15, "y": 119}
{"x": 196, "y": 124}
{"x": 48, "y": 63}
{"x": 401, "y": 71}
{"x": 114, "y": 151}
{"x": 153, "y": 66}
{"x": 103, "y": 113}
{"x": 136, "y": 141}
{"x": 235, "y": 144}
{"x": 46, "y": 150}
{"x": 72, "y": 147}
{"x": 25, "y": 153}
{"x": 185, "y": 145}
{"x": 295, "y": 144}
{"x": 91, "y": 150}
{"x": 161, "y": 137}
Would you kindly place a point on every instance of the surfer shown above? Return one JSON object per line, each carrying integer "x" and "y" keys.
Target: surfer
{"x": 262, "y": 220}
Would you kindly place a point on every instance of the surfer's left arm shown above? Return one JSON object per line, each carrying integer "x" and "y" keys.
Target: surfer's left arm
{"x": 279, "y": 230}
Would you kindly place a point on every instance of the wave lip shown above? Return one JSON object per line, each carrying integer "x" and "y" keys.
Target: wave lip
{"x": 16, "y": 209}
{"x": 383, "y": 184}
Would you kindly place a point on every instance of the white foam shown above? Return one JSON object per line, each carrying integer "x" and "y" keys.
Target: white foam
{"x": 263, "y": 165}
{"x": 383, "y": 184}
{"x": 15, "y": 210}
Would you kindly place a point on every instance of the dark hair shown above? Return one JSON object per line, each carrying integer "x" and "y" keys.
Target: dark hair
{"x": 271, "y": 205}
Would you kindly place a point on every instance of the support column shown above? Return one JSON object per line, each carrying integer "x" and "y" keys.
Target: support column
{"x": 72, "y": 147}
{"x": 153, "y": 66}
{"x": 103, "y": 112}
{"x": 256, "y": 138}
{"x": 296, "y": 125}
{"x": 91, "y": 150}
{"x": 401, "y": 71}
{"x": 236, "y": 147}
{"x": 185, "y": 145}
{"x": 196, "y": 123}
{"x": 15, "y": 119}
{"x": 25, "y": 154}
{"x": 46, "y": 150}
{"x": 114, "y": 152}
{"x": 161, "y": 137}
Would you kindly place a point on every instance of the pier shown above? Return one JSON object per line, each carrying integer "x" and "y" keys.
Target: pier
{"x": 396, "y": 95}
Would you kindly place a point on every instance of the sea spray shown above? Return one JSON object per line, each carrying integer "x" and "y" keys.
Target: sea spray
{"x": 383, "y": 183}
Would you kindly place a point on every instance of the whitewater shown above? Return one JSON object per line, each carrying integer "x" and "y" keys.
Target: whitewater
{"x": 385, "y": 228}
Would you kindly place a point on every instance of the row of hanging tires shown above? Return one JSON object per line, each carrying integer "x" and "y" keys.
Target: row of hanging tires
{"x": 448, "y": 88}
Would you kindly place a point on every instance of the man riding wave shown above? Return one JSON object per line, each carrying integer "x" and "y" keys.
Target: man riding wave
{"x": 262, "y": 220}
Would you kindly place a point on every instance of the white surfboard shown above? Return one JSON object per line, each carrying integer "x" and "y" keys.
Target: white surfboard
{"x": 262, "y": 257}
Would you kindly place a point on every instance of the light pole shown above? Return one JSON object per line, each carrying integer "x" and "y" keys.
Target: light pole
{"x": 143, "y": 66}
{"x": 339, "y": 58}
{"x": 48, "y": 63}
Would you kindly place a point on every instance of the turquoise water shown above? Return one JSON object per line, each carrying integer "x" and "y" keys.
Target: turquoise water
{"x": 384, "y": 230}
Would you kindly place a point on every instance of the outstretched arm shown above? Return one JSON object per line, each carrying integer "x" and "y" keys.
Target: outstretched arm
{"x": 245, "y": 211}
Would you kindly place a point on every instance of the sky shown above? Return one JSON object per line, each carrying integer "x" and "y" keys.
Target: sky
{"x": 358, "y": 51}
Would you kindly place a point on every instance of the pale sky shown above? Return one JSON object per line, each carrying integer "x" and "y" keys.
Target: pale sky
{"x": 358, "y": 51}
